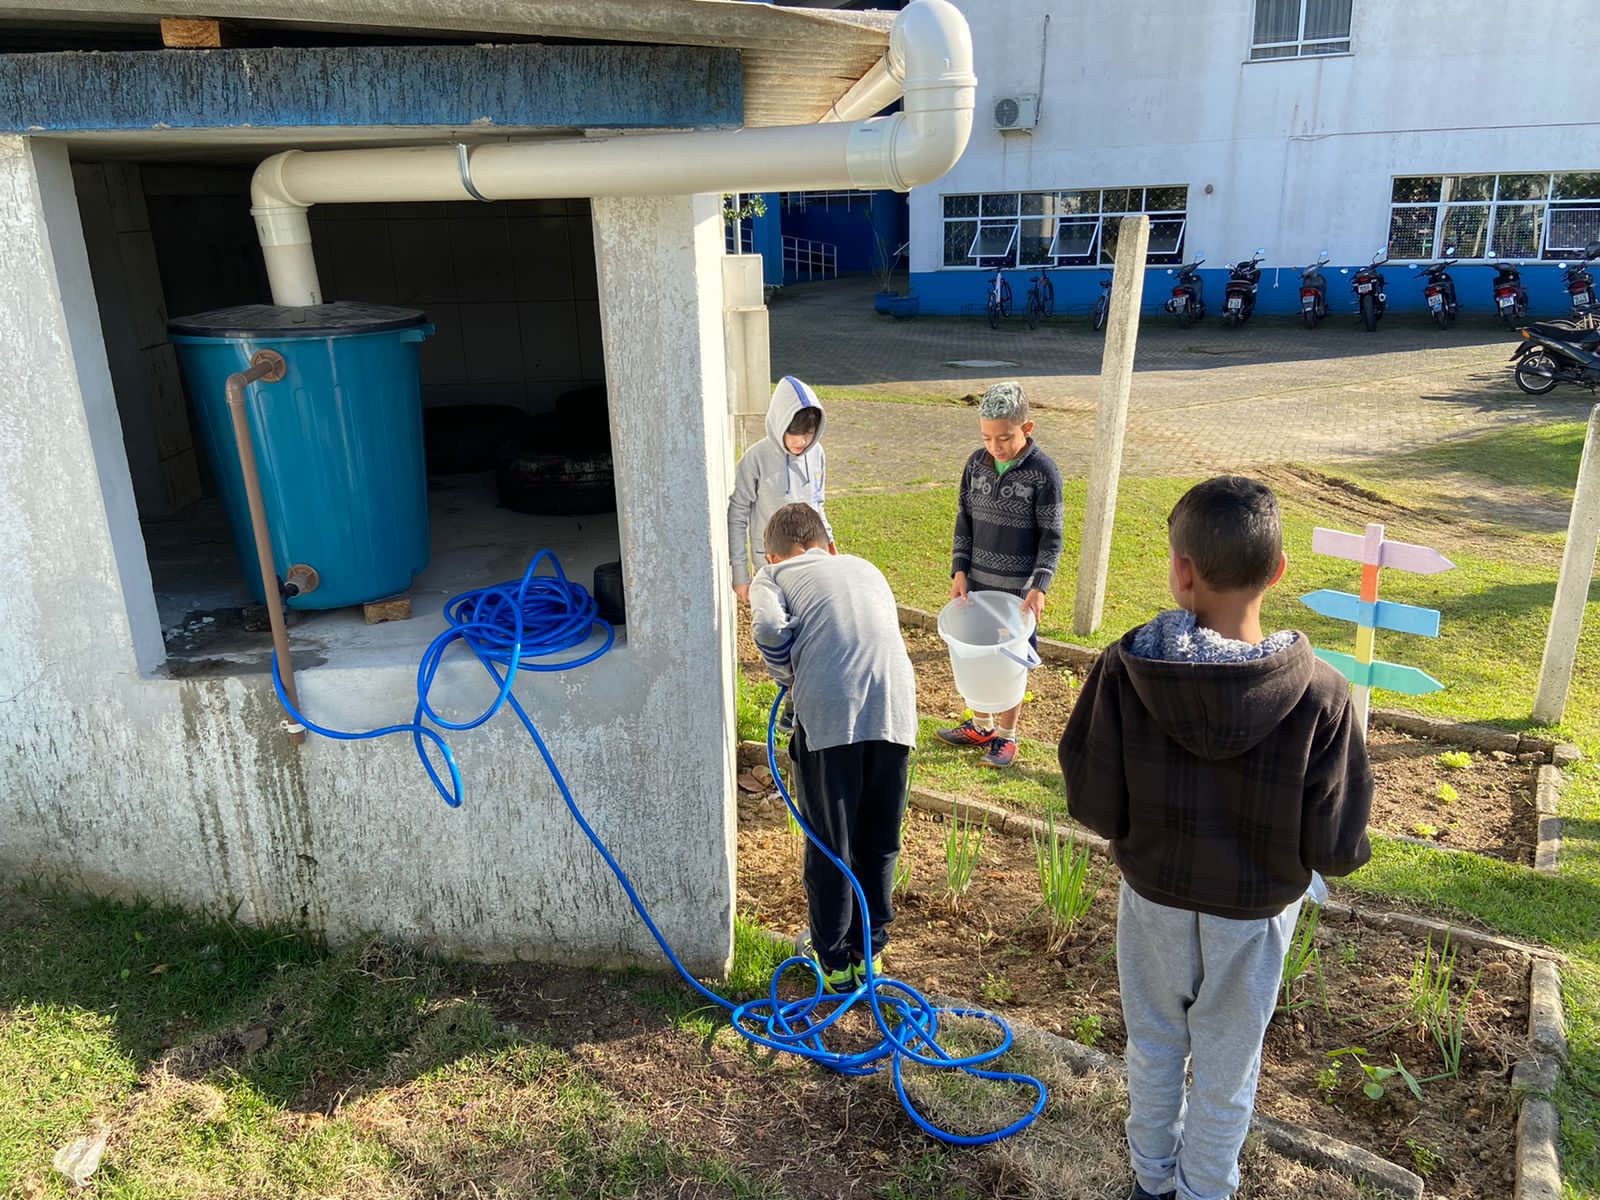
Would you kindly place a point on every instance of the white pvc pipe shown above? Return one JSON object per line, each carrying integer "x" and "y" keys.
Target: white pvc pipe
{"x": 929, "y": 58}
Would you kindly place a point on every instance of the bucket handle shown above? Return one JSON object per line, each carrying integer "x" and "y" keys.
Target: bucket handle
{"x": 1032, "y": 661}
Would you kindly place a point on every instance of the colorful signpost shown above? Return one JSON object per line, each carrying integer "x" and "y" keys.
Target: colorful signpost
{"x": 1369, "y": 614}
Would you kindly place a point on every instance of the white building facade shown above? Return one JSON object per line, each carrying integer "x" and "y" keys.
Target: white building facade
{"x": 1293, "y": 125}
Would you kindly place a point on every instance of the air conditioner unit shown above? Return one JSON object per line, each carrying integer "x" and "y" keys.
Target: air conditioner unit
{"x": 1016, "y": 114}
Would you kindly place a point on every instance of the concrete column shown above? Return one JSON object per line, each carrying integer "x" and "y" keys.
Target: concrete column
{"x": 71, "y": 529}
{"x": 1110, "y": 424}
{"x": 659, "y": 266}
{"x": 1572, "y": 589}
{"x": 749, "y": 348}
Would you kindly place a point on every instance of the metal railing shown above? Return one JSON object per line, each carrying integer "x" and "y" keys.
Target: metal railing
{"x": 804, "y": 259}
{"x": 739, "y": 237}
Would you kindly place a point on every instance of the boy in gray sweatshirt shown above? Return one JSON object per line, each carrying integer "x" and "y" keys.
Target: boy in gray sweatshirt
{"x": 827, "y": 626}
{"x": 785, "y": 467}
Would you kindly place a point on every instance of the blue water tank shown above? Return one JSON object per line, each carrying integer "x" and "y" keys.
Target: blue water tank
{"x": 338, "y": 440}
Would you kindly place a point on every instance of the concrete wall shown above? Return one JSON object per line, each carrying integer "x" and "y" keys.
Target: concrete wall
{"x": 118, "y": 779}
{"x": 1298, "y": 153}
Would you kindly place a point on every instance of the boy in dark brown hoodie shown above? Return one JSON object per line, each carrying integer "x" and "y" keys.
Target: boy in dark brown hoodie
{"x": 1225, "y": 767}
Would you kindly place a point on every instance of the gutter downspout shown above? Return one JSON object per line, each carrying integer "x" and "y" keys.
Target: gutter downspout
{"x": 929, "y": 60}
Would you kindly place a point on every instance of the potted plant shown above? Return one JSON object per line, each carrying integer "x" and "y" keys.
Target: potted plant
{"x": 889, "y": 301}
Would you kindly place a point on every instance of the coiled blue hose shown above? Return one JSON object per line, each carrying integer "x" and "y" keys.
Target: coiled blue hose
{"x": 510, "y": 624}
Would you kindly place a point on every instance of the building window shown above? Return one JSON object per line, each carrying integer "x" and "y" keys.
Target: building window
{"x": 1300, "y": 28}
{"x": 801, "y": 201}
{"x": 1059, "y": 229}
{"x": 1494, "y": 216}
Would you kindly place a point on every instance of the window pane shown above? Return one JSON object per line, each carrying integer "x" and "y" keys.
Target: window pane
{"x": 994, "y": 241}
{"x": 1325, "y": 48}
{"x": 1080, "y": 202}
{"x": 1166, "y": 240}
{"x": 1417, "y": 188}
{"x": 1033, "y": 246}
{"x": 1166, "y": 199}
{"x": 1258, "y": 53}
{"x": 1467, "y": 227}
{"x": 1577, "y": 185}
{"x": 1524, "y": 187}
{"x": 1075, "y": 238}
{"x": 1411, "y": 232}
{"x": 999, "y": 204}
{"x": 1119, "y": 200}
{"x": 1517, "y": 229}
{"x": 1468, "y": 187}
{"x": 960, "y": 206}
{"x": 1039, "y": 204}
{"x": 958, "y": 236}
{"x": 1109, "y": 227}
{"x": 1328, "y": 19}
{"x": 1277, "y": 21}
{"x": 1573, "y": 227}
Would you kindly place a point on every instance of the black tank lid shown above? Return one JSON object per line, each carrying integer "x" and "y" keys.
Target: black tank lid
{"x": 282, "y": 320}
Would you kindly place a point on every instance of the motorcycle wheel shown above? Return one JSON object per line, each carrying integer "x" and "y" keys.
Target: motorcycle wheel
{"x": 1442, "y": 318}
{"x": 1369, "y": 313}
{"x": 1186, "y": 316}
{"x": 1531, "y": 383}
{"x": 1310, "y": 317}
{"x": 1506, "y": 317}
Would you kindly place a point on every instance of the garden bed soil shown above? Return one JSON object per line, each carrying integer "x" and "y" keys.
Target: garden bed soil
{"x": 992, "y": 951}
{"x": 1492, "y": 812}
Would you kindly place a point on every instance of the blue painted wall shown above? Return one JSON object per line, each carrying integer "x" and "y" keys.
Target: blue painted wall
{"x": 477, "y": 86}
{"x": 966, "y": 292}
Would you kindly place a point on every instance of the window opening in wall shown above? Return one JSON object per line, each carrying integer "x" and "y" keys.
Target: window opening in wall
{"x": 515, "y": 425}
{"x": 1075, "y": 228}
{"x": 1518, "y": 216}
{"x": 1300, "y": 28}
{"x": 801, "y": 201}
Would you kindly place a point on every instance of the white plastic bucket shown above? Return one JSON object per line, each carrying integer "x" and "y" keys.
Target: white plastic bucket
{"x": 987, "y": 634}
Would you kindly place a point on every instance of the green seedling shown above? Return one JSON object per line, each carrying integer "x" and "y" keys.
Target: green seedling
{"x": 1423, "y": 830}
{"x": 1088, "y": 1029}
{"x": 1302, "y": 956}
{"x": 1065, "y": 882}
{"x": 1432, "y": 1007}
{"x": 962, "y": 844}
{"x": 996, "y": 990}
{"x": 1328, "y": 1080}
{"x": 1424, "y": 1157}
{"x": 1455, "y": 760}
{"x": 1446, "y": 793}
{"x": 1347, "y": 953}
{"x": 1378, "y": 1078}
{"x": 902, "y": 874}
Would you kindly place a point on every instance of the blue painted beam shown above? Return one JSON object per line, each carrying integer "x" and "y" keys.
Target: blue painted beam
{"x": 478, "y": 86}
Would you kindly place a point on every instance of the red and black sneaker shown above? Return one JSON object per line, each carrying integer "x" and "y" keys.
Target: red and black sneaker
{"x": 966, "y": 734}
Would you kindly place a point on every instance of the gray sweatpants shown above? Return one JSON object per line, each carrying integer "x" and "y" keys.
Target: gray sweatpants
{"x": 1197, "y": 991}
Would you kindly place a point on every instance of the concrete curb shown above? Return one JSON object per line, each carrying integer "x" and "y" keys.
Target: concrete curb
{"x": 1476, "y": 737}
{"x": 1538, "y": 1164}
{"x": 1547, "y": 804}
{"x": 1547, "y": 1023}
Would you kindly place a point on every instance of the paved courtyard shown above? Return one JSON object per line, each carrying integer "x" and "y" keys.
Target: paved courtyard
{"x": 1204, "y": 399}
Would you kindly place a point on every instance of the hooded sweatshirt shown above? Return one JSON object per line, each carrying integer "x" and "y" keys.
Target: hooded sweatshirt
{"x": 768, "y": 477}
{"x": 1222, "y": 781}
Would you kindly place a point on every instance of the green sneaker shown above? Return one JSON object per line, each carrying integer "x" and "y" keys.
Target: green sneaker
{"x": 859, "y": 970}
{"x": 833, "y": 982}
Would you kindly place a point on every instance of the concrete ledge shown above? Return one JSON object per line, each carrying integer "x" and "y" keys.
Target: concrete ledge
{"x": 1475, "y": 737}
{"x": 1547, "y": 803}
{"x": 1547, "y": 1024}
{"x": 1538, "y": 1164}
{"x": 1565, "y": 754}
{"x": 1428, "y": 926}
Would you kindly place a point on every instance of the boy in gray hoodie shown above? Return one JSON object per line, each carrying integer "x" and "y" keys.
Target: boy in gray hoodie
{"x": 785, "y": 467}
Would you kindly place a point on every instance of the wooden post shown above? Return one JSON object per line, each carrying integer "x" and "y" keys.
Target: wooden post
{"x": 1110, "y": 424}
{"x": 191, "y": 33}
{"x": 1366, "y": 635}
{"x": 1572, "y": 588}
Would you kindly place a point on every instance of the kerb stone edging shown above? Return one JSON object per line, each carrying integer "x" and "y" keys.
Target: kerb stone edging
{"x": 1547, "y": 806}
{"x": 1475, "y": 737}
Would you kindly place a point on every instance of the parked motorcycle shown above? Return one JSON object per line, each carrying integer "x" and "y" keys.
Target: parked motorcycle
{"x": 1239, "y": 294}
{"x": 1510, "y": 297}
{"x": 1440, "y": 289}
{"x": 1367, "y": 284}
{"x": 1188, "y": 302}
{"x": 1563, "y": 351}
{"x": 1314, "y": 292}
{"x": 1580, "y": 281}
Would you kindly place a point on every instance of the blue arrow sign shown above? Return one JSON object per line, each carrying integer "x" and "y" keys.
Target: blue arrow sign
{"x": 1382, "y": 614}
{"x": 1387, "y": 676}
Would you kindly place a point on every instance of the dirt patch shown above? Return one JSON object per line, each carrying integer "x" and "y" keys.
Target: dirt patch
{"x": 993, "y": 951}
{"x": 1465, "y": 800}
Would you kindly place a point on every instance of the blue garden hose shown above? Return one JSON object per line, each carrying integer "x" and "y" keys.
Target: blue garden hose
{"x": 509, "y": 625}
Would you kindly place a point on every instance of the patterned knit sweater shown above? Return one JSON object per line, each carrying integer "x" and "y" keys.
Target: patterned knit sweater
{"x": 1008, "y": 527}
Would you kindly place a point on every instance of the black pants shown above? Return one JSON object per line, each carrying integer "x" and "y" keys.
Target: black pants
{"x": 854, "y": 798}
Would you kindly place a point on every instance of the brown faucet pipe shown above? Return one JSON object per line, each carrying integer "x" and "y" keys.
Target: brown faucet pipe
{"x": 267, "y": 366}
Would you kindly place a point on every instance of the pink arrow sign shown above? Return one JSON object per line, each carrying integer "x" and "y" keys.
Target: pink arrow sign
{"x": 1402, "y": 556}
